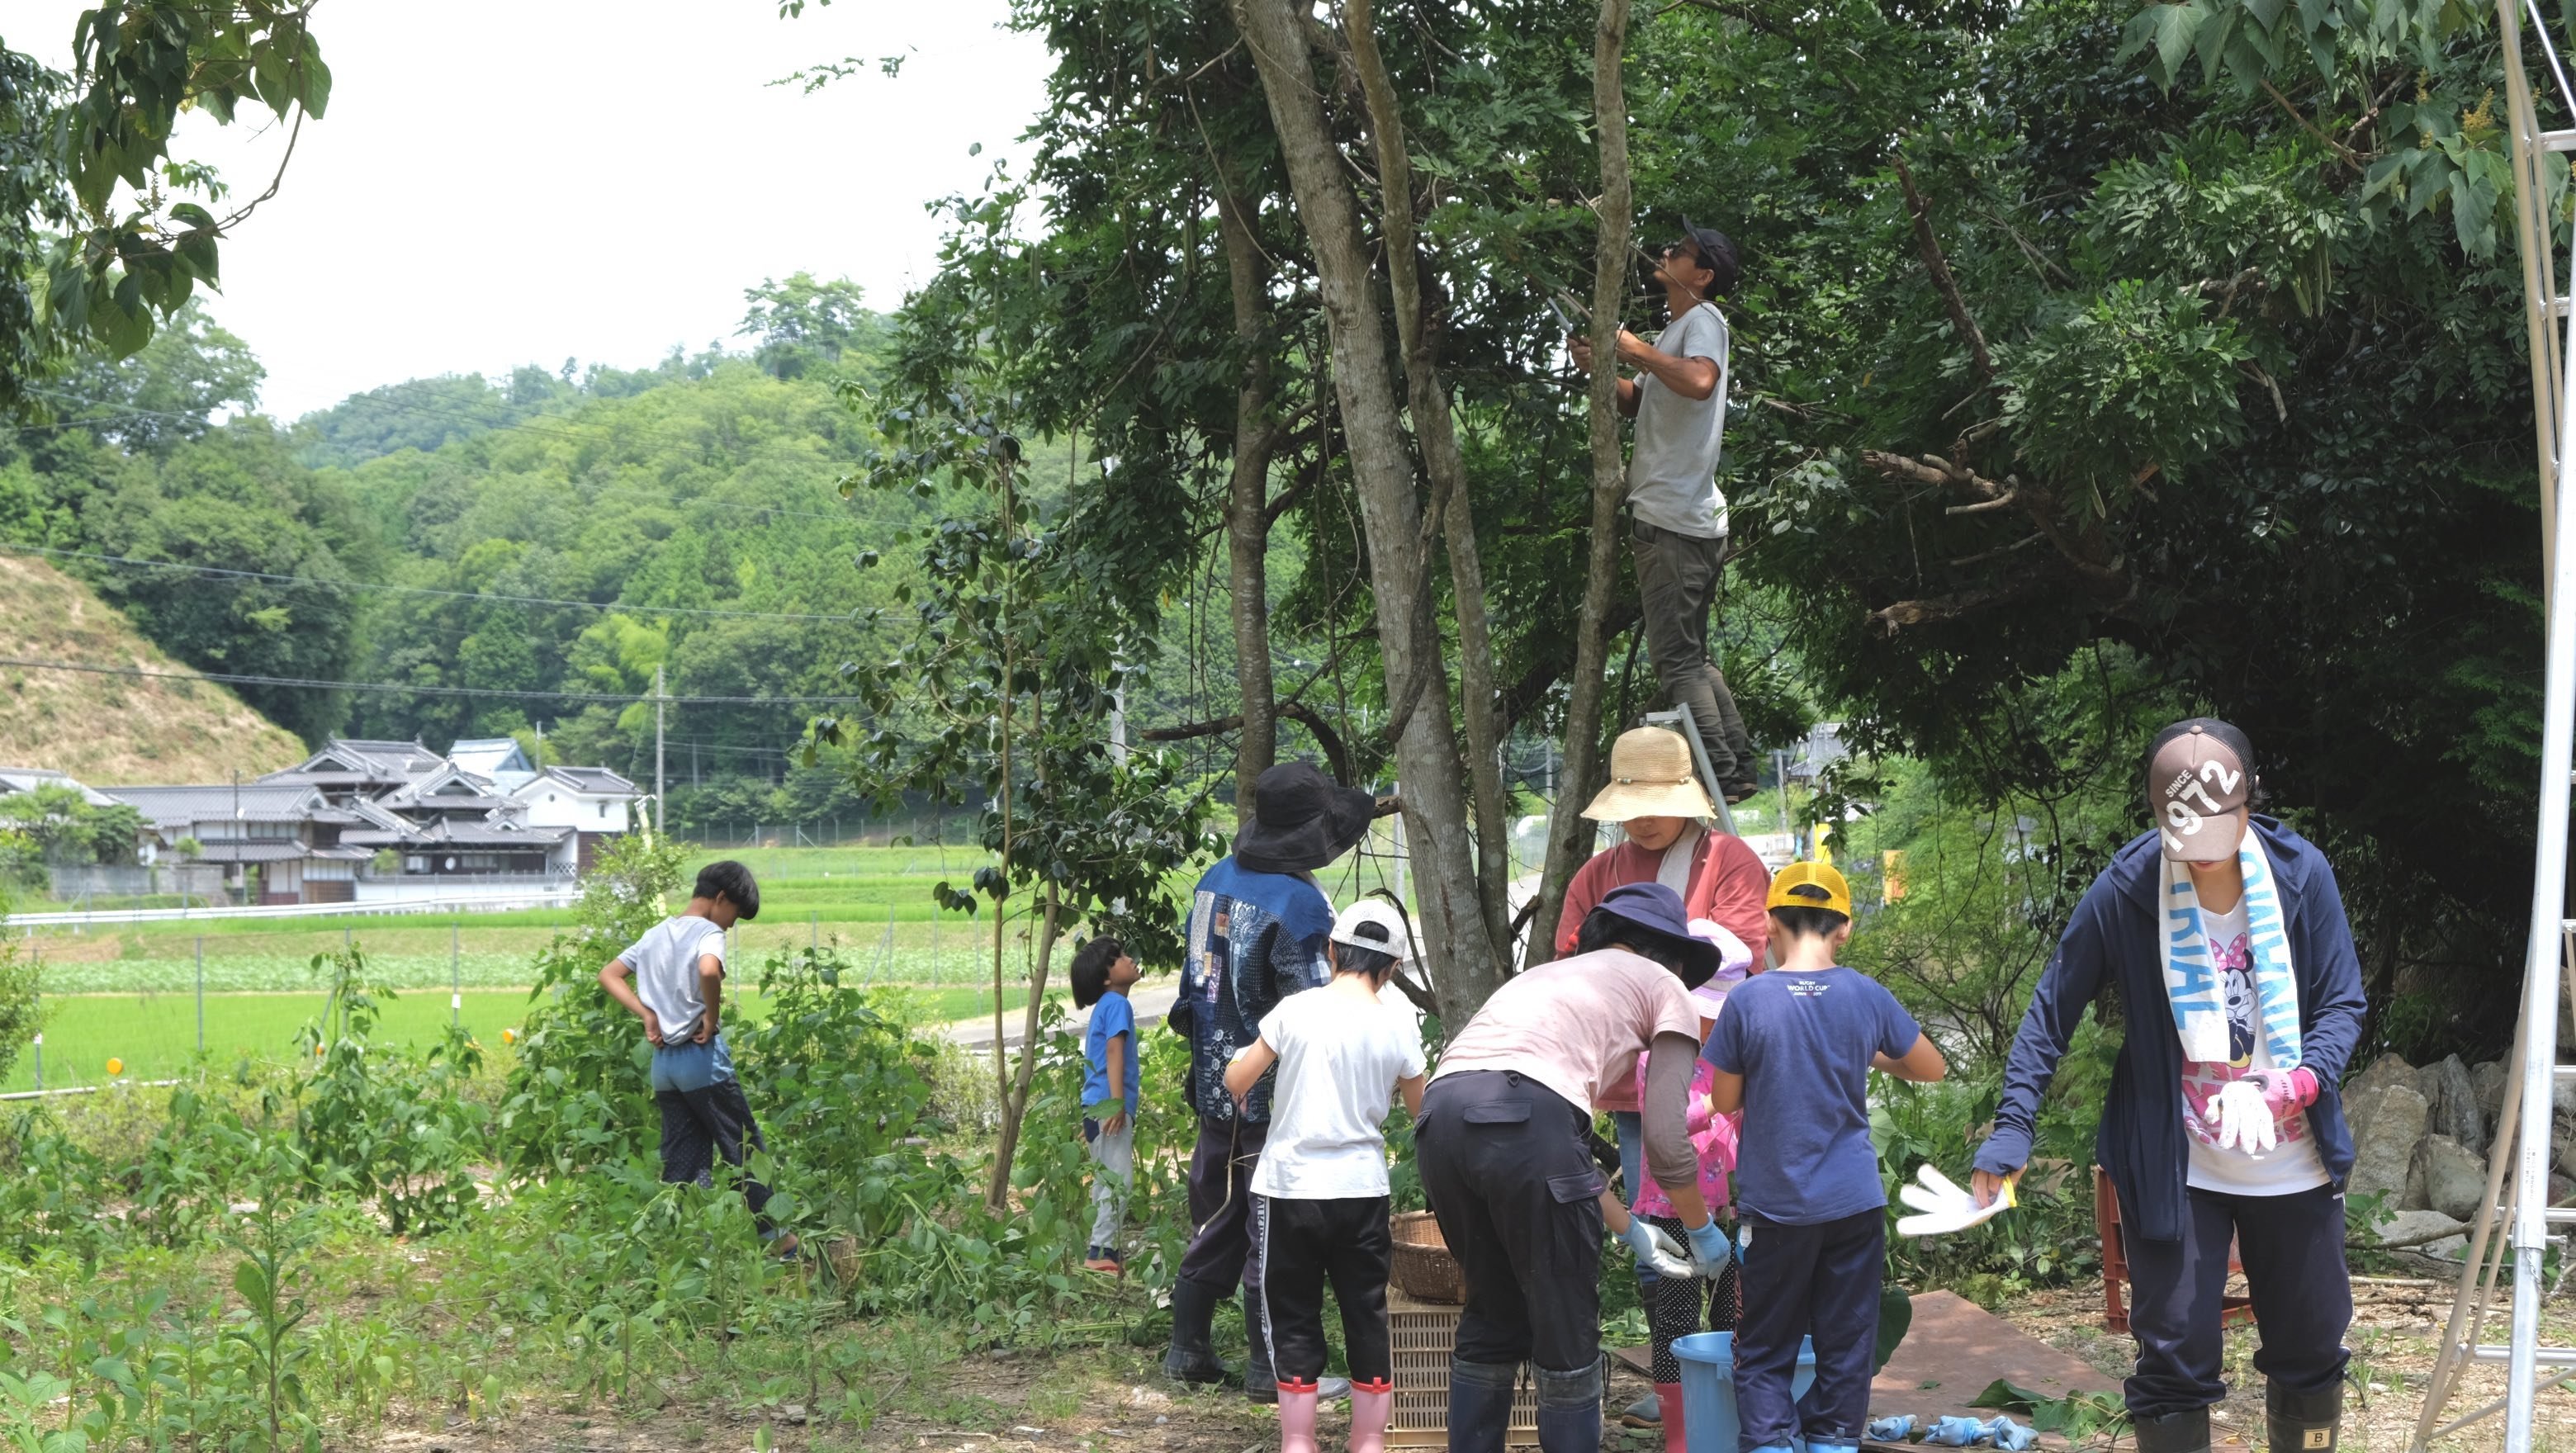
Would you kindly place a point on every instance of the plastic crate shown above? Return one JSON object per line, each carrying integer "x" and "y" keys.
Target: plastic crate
{"x": 2234, "y": 1311}
{"x": 1423, "y": 1335}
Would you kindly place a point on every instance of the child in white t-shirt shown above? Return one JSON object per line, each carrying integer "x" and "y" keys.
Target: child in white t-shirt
{"x": 1320, "y": 1193}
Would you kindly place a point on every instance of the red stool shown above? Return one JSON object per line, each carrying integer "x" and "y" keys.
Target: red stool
{"x": 2238, "y": 1311}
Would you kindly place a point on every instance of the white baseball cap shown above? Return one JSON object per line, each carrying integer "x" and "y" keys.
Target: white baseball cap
{"x": 1390, "y": 937}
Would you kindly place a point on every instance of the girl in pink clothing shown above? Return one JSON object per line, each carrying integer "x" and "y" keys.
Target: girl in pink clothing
{"x": 1673, "y": 1307}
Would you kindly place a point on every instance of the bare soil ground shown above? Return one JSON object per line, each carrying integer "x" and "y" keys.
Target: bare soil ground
{"x": 1111, "y": 1400}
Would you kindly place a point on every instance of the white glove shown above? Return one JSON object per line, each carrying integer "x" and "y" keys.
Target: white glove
{"x": 1944, "y": 1206}
{"x": 1656, "y": 1251}
{"x": 2244, "y": 1117}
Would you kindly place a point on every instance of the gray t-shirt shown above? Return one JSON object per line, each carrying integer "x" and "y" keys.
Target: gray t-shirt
{"x": 1672, "y": 475}
{"x": 665, "y": 964}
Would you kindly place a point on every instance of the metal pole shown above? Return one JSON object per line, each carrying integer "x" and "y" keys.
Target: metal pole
{"x": 1118, "y": 725}
{"x": 661, "y": 804}
{"x": 1397, "y": 832}
{"x": 1780, "y": 764}
{"x": 456, "y": 975}
{"x": 201, "y": 993}
{"x": 2540, "y": 966}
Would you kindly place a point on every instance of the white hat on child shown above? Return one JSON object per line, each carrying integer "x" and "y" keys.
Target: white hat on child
{"x": 1391, "y": 936}
{"x": 1734, "y": 959}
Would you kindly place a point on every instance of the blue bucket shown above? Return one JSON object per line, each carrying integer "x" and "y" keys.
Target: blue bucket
{"x": 1708, "y": 1388}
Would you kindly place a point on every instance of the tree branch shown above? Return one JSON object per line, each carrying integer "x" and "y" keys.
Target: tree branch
{"x": 1336, "y": 752}
{"x": 2342, "y": 152}
{"x": 1939, "y": 266}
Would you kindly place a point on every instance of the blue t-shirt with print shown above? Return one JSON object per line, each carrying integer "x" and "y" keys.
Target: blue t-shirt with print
{"x": 1111, "y": 1017}
{"x": 1803, "y": 1043}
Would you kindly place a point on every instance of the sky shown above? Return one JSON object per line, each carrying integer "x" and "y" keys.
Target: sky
{"x": 499, "y": 182}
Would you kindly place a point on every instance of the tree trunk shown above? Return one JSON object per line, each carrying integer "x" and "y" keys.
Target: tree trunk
{"x": 1247, "y": 515}
{"x": 997, "y": 1192}
{"x": 1569, "y": 835}
{"x": 1015, "y": 1099}
{"x": 1465, "y": 961}
{"x": 1455, "y": 518}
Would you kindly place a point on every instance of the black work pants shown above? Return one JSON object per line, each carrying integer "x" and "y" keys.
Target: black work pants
{"x": 1301, "y": 1243}
{"x": 699, "y": 1125}
{"x": 1221, "y": 1252}
{"x": 2292, "y": 1247}
{"x": 1820, "y": 1281}
{"x": 1508, "y": 1175}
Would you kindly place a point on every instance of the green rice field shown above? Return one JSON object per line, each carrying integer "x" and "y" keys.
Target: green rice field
{"x": 130, "y": 990}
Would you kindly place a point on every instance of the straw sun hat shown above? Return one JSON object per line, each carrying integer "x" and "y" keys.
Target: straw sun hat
{"x": 1650, "y": 776}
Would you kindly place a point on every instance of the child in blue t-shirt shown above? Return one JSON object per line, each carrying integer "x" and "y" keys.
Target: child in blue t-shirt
{"x": 1101, "y": 973}
{"x": 1793, "y": 1051}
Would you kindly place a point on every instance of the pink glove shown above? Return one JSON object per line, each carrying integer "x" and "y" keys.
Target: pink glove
{"x": 2287, "y": 1090}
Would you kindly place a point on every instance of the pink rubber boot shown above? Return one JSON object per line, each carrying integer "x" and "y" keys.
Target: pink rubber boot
{"x": 1371, "y": 1405}
{"x": 1297, "y": 1417}
{"x": 1668, "y": 1396}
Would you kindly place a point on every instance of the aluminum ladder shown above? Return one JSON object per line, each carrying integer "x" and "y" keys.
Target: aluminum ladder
{"x": 1679, "y": 719}
{"x": 2517, "y": 1196}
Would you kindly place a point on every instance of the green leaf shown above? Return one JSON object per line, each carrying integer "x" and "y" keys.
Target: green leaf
{"x": 2211, "y": 43}
{"x": 252, "y": 1283}
{"x": 2172, "y": 28}
{"x": 2265, "y": 13}
{"x": 1895, "y": 1315}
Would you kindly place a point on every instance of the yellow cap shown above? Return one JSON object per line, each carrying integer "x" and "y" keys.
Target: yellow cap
{"x": 1809, "y": 885}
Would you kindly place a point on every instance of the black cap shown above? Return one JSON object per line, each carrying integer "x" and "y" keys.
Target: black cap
{"x": 1716, "y": 253}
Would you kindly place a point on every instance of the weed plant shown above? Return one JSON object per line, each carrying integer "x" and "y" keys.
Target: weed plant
{"x": 287, "y": 1258}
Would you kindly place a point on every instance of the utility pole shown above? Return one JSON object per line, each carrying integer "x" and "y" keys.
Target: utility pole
{"x": 540, "y": 763}
{"x": 1118, "y": 725}
{"x": 661, "y": 805}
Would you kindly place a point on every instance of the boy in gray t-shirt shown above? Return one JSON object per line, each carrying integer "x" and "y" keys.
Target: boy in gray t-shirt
{"x": 678, "y": 969}
{"x": 1678, "y": 517}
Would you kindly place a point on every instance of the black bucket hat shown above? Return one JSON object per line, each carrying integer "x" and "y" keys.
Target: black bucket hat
{"x": 1301, "y": 821}
{"x": 1658, "y": 910}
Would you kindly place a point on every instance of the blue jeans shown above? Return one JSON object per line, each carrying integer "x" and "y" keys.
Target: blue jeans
{"x": 685, "y": 1067}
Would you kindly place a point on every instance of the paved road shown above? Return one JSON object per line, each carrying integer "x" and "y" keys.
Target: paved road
{"x": 1151, "y": 1000}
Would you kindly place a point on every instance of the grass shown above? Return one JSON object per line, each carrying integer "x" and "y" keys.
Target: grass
{"x": 106, "y": 729}
{"x": 155, "y": 1035}
{"x": 875, "y": 902}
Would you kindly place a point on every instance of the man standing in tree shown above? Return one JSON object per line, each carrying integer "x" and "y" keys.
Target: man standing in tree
{"x": 1677, "y": 518}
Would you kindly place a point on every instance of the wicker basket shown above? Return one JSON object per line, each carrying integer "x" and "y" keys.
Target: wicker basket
{"x": 1421, "y": 1264}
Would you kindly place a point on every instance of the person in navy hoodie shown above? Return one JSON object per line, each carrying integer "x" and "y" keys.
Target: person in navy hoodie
{"x": 2224, "y": 935}
{"x": 1258, "y": 927}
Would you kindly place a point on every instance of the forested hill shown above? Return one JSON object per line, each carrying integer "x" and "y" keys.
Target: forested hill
{"x": 437, "y": 542}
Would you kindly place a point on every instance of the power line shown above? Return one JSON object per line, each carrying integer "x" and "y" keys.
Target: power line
{"x": 229, "y": 573}
{"x": 587, "y": 698}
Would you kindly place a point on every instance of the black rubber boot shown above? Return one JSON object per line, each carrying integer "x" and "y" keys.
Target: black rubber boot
{"x": 1480, "y": 1404}
{"x": 1191, "y": 1357}
{"x": 1259, "y": 1381}
{"x": 2183, "y": 1432}
{"x": 1569, "y": 1411}
{"x": 2303, "y": 1422}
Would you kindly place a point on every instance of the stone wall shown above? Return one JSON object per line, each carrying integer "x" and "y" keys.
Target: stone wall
{"x": 2422, "y": 1136}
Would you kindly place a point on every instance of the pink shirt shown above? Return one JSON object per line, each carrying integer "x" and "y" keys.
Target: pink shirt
{"x": 1576, "y": 1025}
{"x": 1712, "y": 1135}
